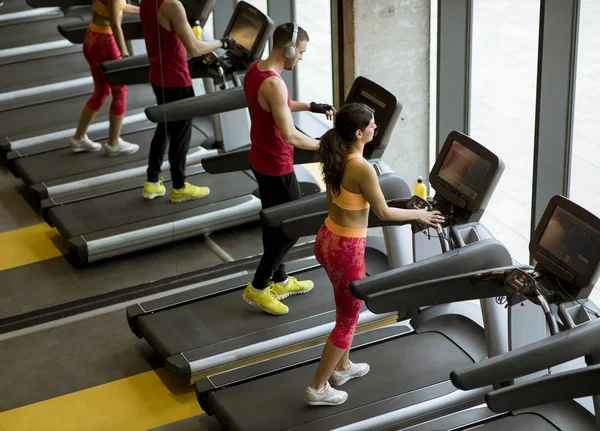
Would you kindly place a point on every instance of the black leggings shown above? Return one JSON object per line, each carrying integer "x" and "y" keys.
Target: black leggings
{"x": 274, "y": 191}
{"x": 179, "y": 134}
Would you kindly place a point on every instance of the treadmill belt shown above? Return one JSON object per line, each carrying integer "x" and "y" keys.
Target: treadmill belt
{"x": 397, "y": 367}
{"x": 521, "y": 422}
{"x": 63, "y": 163}
{"x": 43, "y": 71}
{"x": 11, "y": 6}
{"x": 63, "y": 114}
{"x": 207, "y": 322}
{"x": 123, "y": 208}
{"x": 32, "y": 33}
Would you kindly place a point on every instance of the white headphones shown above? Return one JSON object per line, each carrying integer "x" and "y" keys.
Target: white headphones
{"x": 290, "y": 49}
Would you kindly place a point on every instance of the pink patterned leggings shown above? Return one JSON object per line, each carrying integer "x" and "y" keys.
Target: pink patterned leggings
{"x": 98, "y": 48}
{"x": 343, "y": 258}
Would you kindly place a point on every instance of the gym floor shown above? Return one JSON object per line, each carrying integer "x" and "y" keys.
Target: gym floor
{"x": 89, "y": 371}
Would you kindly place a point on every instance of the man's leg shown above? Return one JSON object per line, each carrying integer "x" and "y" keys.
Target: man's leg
{"x": 261, "y": 292}
{"x": 154, "y": 186}
{"x": 180, "y": 133}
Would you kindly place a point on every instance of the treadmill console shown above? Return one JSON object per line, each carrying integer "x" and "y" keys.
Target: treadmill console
{"x": 418, "y": 203}
{"x": 566, "y": 244}
{"x": 521, "y": 281}
{"x": 386, "y": 109}
{"x": 251, "y": 29}
{"x": 464, "y": 177}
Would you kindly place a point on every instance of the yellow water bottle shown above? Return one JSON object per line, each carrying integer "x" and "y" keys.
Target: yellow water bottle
{"x": 420, "y": 189}
{"x": 197, "y": 30}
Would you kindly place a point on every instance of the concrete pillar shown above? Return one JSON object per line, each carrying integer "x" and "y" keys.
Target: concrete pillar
{"x": 391, "y": 47}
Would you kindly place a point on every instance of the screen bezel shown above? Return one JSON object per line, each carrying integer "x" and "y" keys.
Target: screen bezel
{"x": 243, "y": 7}
{"x": 489, "y": 184}
{"x": 550, "y": 263}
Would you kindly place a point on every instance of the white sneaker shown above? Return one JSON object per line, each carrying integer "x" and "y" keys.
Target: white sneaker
{"x": 338, "y": 378}
{"x": 121, "y": 148}
{"x": 326, "y": 396}
{"x": 85, "y": 144}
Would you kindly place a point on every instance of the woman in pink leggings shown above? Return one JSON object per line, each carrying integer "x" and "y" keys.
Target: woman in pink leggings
{"x": 352, "y": 188}
{"x": 104, "y": 41}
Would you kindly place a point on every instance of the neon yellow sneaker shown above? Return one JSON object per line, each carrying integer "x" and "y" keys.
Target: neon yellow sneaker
{"x": 266, "y": 300}
{"x": 154, "y": 190}
{"x": 292, "y": 287}
{"x": 188, "y": 193}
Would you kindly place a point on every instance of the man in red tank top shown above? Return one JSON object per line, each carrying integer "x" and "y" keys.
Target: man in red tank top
{"x": 169, "y": 38}
{"x": 273, "y": 138}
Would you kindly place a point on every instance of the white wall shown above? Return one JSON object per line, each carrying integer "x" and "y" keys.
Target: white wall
{"x": 392, "y": 49}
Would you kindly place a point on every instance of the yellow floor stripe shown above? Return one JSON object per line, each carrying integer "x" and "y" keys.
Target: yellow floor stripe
{"x": 28, "y": 245}
{"x": 140, "y": 402}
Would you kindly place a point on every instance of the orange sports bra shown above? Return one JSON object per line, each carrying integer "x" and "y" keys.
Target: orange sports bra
{"x": 348, "y": 200}
{"x": 102, "y": 8}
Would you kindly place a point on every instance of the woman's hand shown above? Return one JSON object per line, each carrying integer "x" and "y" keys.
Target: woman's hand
{"x": 430, "y": 218}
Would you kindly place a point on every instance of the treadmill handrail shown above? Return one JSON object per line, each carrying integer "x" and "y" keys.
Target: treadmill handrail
{"x": 391, "y": 293}
{"x": 545, "y": 390}
{"x": 199, "y": 106}
{"x": 75, "y": 32}
{"x": 568, "y": 345}
{"x": 58, "y": 3}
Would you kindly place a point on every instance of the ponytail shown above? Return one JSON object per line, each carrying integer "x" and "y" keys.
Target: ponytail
{"x": 335, "y": 143}
{"x": 332, "y": 154}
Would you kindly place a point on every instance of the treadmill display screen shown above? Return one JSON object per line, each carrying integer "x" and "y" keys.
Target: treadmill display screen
{"x": 245, "y": 30}
{"x": 569, "y": 242}
{"x": 464, "y": 171}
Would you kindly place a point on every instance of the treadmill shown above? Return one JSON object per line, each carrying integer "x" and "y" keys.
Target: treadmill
{"x": 115, "y": 224}
{"x": 436, "y": 340}
{"x": 26, "y": 40}
{"x": 207, "y": 338}
{"x": 53, "y": 176}
{"x": 121, "y": 222}
{"x": 19, "y": 11}
{"x": 38, "y": 80}
{"x": 534, "y": 386}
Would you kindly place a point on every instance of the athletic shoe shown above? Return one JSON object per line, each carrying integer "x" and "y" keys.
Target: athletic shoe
{"x": 85, "y": 144}
{"x": 154, "y": 190}
{"x": 188, "y": 193}
{"x": 292, "y": 287}
{"x": 338, "y": 378}
{"x": 266, "y": 300}
{"x": 122, "y": 148}
{"x": 326, "y": 396}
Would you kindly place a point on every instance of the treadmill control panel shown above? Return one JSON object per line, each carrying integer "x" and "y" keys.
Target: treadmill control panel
{"x": 521, "y": 281}
{"x": 418, "y": 203}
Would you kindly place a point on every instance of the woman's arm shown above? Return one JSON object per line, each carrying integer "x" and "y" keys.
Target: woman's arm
{"x": 115, "y": 17}
{"x": 130, "y": 9}
{"x": 366, "y": 177}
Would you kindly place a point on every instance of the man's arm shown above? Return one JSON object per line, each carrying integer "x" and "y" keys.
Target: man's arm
{"x": 173, "y": 11}
{"x": 319, "y": 108}
{"x": 275, "y": 93}
{"x": 300, "y": 106}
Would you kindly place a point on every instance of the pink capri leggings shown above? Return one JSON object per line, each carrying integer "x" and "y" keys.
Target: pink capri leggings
{"x": 98, "y": 48}
{"x": 343, "y": 258}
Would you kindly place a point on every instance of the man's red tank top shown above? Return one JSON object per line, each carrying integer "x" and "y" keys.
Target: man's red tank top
{"x": 269, "y": 154}
{"x": 167, "y": 55}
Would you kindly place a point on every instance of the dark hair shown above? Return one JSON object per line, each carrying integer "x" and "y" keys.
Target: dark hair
{"x": 283, "y": 35}
{"x": 335, "y": 143}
